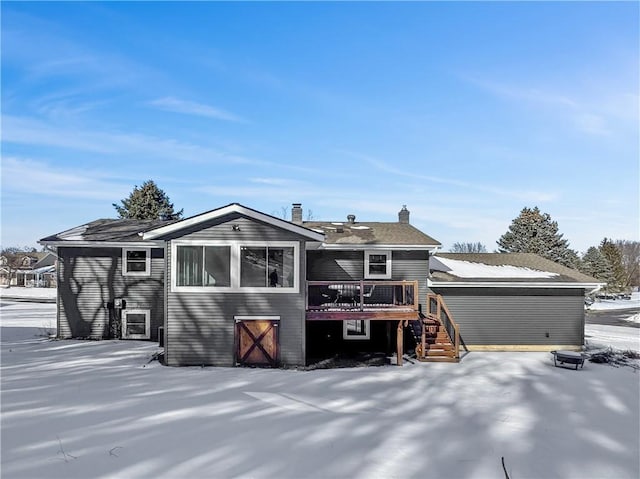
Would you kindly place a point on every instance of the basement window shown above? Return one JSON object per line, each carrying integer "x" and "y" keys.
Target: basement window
{"x": 356, "y": 329}
{"x": 136, "y": 262}
{"x": 136, "y": 324}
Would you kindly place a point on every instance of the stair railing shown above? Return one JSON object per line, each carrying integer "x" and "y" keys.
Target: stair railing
{"x": 437, "y": 308}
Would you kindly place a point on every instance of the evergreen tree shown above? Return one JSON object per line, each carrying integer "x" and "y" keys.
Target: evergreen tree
{"x": 535, "y": 232}
{"x": 595, "y": 264}
{"x": 613, "y": 256}
{"x": 147, "y": 202}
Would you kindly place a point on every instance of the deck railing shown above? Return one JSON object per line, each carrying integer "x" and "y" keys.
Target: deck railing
{"x": 365, "y": 295}
{"x": 437, "y": 309}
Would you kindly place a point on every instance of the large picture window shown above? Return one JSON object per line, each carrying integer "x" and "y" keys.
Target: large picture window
{"x": 234, "y": 266}
{"x": 271, "y": 267}
{"x": 206, "y": 266}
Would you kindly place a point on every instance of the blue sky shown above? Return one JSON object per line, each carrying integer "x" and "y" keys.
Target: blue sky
{"x": 465, "y": 112}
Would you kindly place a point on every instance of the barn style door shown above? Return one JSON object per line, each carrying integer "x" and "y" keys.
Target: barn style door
{"x": 257, "y": 342}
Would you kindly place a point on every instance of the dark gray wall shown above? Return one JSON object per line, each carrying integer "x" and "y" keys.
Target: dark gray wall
{"x": 200, "y": 326}
{"x": 89, "y": 278}
{"x": 517, "y": 316}
{"x": 412, "y": 265}
{"x": 325, "y": 265}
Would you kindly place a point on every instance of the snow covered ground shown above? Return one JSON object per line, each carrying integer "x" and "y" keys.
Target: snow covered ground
{"x": 99, "y": 409}
{"x": 602, "y": 304}
{"x": 19, "y": 292}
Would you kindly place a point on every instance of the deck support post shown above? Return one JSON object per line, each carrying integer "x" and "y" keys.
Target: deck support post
{"x": 399, "y": 342}
{"x": 423, "y": 352}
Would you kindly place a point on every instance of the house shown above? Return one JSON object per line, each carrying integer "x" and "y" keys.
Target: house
{"x": 28, "y": 269}
{"x": 237, "y": 286}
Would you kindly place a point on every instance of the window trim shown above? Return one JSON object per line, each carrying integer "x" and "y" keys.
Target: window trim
{"x": 147, "y": 268}
{"x": 147, "y": 323}
{"x": 367, "y": 254}
{"x": 364, "y": 337}
{"x": 174, "y": 277}
{"x": 235, "y": 267}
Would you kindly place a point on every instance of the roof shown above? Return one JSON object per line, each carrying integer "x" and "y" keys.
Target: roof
{"x": 161, "y": 231}
{"x": 372, "y": 234}
{"x": 334, "y": 234}
{"x": 106, "y": 231}
{"x": 503, "y": 269}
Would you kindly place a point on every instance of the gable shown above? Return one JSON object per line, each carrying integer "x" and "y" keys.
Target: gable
{"x": 233, "y": 227}
{"x": 201, "y": 221}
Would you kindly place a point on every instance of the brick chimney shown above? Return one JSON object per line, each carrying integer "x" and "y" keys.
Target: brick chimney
{"x": 403, "y": 215}
{"x": 296, "y": 213}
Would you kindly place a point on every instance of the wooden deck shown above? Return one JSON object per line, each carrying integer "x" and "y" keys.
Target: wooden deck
{"x": 350, "y": 300}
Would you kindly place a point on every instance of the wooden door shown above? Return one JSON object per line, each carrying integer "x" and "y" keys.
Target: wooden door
{"x": 257, "y": 342}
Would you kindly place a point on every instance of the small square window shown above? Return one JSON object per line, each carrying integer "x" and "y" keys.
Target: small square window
{"x": 356, "y": 329}
{"x": 136, "y": 324}
{"x": 136, "y": 262}
{"x": 377, "y": 264}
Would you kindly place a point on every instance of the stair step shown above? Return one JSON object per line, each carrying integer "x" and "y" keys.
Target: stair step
{"x": 436, "y": 354}
{"x": 439, "y": 347}
{"x": 437, "y": 336}
{"x": 439, "y": 359}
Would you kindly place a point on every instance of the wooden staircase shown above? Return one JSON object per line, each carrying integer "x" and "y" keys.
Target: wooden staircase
{"x": 436, "y": 334}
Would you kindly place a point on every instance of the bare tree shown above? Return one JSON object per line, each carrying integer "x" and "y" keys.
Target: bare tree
{"x": 630, "y": 252}
{"x": 468, "y": 248}
{"x": 282, "y": 213}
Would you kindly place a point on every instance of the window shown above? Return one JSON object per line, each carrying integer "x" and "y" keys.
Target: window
{"x": 234, "y": 266}
{"x": 266, "y": 267}
{"x": 136, "y": 324}
{"x": 136, "y": 262}
{"x": 205, "y": 266}
{"x": 377, "y": 264}
{"x": 356, "y": 329}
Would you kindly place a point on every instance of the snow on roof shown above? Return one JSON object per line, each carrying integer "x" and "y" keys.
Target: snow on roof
{"x": 467, "y": 269}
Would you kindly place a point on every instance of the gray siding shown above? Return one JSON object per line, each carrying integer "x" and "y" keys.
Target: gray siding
{"x": 326, "y": 265}
{"x": 90, "y": 278}
{"x": 200, "y": 325}
{"x": 412, "y": 265}
{"x": 510, "y": 316}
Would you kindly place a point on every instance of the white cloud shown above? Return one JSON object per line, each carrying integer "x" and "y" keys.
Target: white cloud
{"x": 274, "y": 181}
{"x": 22, "y": 176}
{"x": 593, "y": 124}
{"x": 37, "y": 133}
{"x": 594, "y": 112}
{"x": 523, "y": 195}
{"x": 192, "y": 108}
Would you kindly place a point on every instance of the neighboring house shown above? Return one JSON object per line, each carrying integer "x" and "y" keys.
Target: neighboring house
{"x": 516, "y": 301}
{"x": 236, "y": 286}
{"x": 31, "y": 269}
